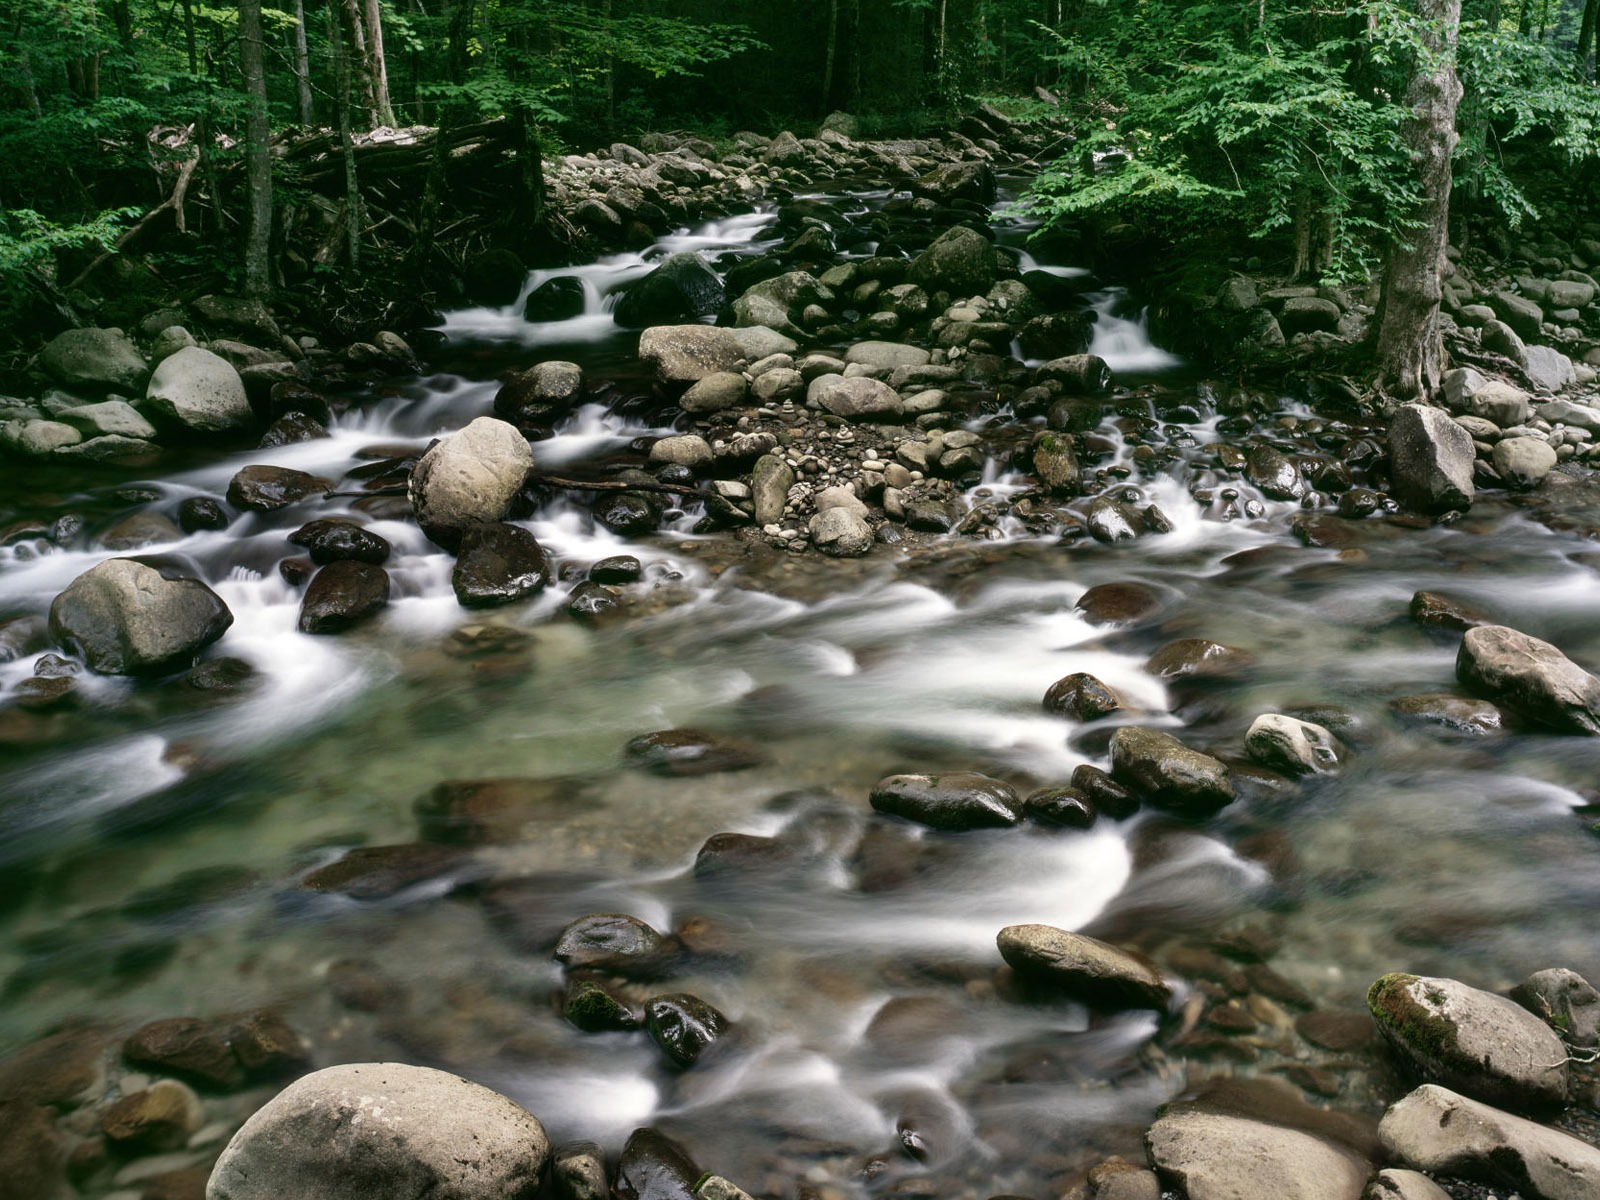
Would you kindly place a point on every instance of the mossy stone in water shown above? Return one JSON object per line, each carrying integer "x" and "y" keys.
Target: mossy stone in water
{"x": 591, "y": 1008}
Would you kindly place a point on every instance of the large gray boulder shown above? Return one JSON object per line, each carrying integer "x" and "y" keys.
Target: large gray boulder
{"x": 383, "y": 1129}
{"x": 1084, "y": 968}
{"x": 1434, "y": 1129}
{"x": 1548, "y": 369}
{"x": 961, "y": 261}
{"x": 1519, "y": 312}
{"x": 94, "y": 358}
{"x": 127, "y": 619}
{"x": 683, "y": 287}
{"x": 198, "y": 390}
{"x": 1472, "y": 1041}
{"x": 542, "y": 394}
{"x": 469, "y": 478}
{"x": 1169, "y": 774}
{"x": 1501, "y": 403}
{"x": 1430, "y": 459}
{"x": 1531, "y": 677}
{"x": 688, "y": 353}
{"x": 854, "y": 396}
{"x": 1523, "y": 462}
{"x": 1219, "y": 1156}
{"x": 887, "y": 355}
{"x": 778, "y": 303}
{"x": 1568, "y": 412}
{"x": 841, "y": 533}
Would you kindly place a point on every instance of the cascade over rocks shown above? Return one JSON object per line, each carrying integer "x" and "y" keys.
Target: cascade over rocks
{"x": 352, "y": 1132}
{"x": 683, "y": 287}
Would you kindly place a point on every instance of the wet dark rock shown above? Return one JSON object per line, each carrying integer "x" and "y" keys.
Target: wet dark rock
{"x": 684, "y": 1026}
{"x": 297, "y": 572}
{"x": 654, "y": 1167}
{"x": 615, "y": 943}
{"x": 378, "y": 872}
{"x": 267, "y": 1047}
{"x": 1531, "y": 677}
{"x": 690, "y": 752}
{"x": 1083, "y": 967}
{"x": 618, "y": 570}
{"x": 1435, "y": 610}
{"x": 745, "y": 856}
{"x": 591, "y": 1008}
{"x": 1082, "y": 697}
{"x": 630, "y": 514}
{"x": 187, "y": 1048}
{"x": 1119, "y": 603}
{"x": 1430, "y": 460}
{"x": 1197, "y": 657}
{"x": 590, "y": 601}
{"x": 1106, "y": 794}
{"x": 541, "y": 395}
{"x": 1471, "y": 1041}
{"x": 263, "y": 488}
{"x": 954, "y": 800}
{"x": 125, "y": 618}
{"x": 1565, "y": 1001}
{"x": 1454, "y": 714}
{"x": 342, "y": 594}
{"x": 1111, "y": 520}
{"x": 1066, "y": 807}
{"x": 332, "y": 539}
{"x": 1274, "y": 474}
{"x": 558, "y": 299}
{"x": 578, "y": 1172}
{"x": 1169, "y": 774}
{"x": 495, "y": 278}
{"x": 62, "y": 1070}
{"x": 1056, "y": 335}
{"x": 930, "y": 514}
{"x": 498, "y": 564}
{"x": 683, "y": 287}
{"x": 291, "y": 429}
{"x": 201, "y": 512}
{"x": 154, "y": 1119}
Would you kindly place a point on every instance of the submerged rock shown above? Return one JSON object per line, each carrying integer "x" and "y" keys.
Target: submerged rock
{"x": 616, "y": 943}
{"x": 689, "y": 752}
{"x": 955, "y": 800}
{"x": 1530, "y": 677}
{"x": 1084, "y": 967}
{"x": 128, "y": 619}
{"x": 1434, "y": 1129}
{"x": 1472, "y": 1041}
{"x": 345, "y": 1132}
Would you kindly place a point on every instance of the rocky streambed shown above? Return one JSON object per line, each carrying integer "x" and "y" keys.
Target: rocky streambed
{"x": 913, "y": 737}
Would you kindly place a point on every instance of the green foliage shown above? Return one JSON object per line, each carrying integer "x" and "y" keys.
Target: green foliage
{"x": 1269, "y": 126}
{"x": 29, "y": 240}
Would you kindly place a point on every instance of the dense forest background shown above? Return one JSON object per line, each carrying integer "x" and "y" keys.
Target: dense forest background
{"x": 1275, "y": 120}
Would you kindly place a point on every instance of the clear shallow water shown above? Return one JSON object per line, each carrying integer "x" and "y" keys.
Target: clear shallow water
{"x": 154, "y": 854}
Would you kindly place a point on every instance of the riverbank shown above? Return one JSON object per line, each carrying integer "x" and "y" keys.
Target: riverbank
{"x": 740, "y": 753}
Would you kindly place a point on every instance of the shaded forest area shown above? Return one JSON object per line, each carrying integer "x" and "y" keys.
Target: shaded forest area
{"x": 149, "y": 147}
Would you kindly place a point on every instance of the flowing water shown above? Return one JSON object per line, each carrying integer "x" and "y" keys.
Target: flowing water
{"x": 152, "y": 845}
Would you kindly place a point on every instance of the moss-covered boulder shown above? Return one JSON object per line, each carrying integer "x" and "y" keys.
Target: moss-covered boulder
{"x": 1471, "y": 1041}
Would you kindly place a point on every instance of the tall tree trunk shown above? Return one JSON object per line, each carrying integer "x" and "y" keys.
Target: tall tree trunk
{"x": 189, "y": 43}
{"x": 855, "y": 54}
{"x": 1591, "y": 12}
{"x": 352, "y": 188}
{"x": 377, "y": 64}
{"x": 302, "y": 64}
{"x": 827, "y": 62}
{"x": 358, "y": 63}
{"x": 1410, "y": 344}
{"x": 257, "y": 155}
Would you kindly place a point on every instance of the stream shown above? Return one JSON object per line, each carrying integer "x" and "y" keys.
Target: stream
{"x": 153, "y": 845}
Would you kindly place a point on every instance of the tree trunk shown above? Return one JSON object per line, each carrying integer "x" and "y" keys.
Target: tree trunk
{"x": 1591, "y": 12}
{"x": 189, "y": 43}
{"x": 302, "y": 63}
{"x": 1410, "y": 345}
{"x": 358, "y": 63}
{"x": 458, "y": 17}
{"x": 352, "y": 189}
{"x": 377, "y": 64}
{"x": 827, "y": 62}
{"x": 257, "y": 157}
